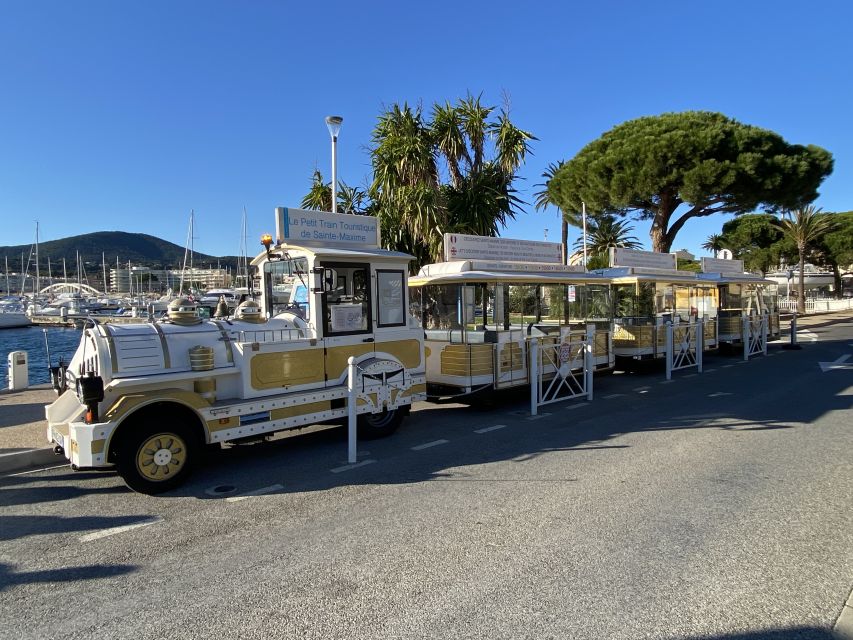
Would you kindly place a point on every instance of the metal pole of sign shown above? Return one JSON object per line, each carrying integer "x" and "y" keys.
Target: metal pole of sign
{"x": 700, "y": 343}
{"x": 588, "y": 361}
{"x": 764, "y": 319}
{"x": 746, "y": 338}
{"x": 352, "y": 448}
{"x": 534, "y": 376}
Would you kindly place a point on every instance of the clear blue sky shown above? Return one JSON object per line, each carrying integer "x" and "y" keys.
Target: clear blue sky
{"x": 125, "y": 115}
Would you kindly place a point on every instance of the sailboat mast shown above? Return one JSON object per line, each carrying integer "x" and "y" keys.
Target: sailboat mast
{"x": 104, "y": 267}
{"x": 187, "y": 251}
{"x": 38, "y": 279}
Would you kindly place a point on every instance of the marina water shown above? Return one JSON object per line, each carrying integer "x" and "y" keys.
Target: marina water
{"x": 63, "y": 342}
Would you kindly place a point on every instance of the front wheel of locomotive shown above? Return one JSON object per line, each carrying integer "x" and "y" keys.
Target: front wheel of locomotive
{"x": 153, "y": 459}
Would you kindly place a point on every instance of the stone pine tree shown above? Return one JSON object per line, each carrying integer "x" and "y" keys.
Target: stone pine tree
{"x": 674, "y": 167}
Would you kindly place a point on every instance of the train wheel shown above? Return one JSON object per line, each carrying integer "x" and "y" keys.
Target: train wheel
{"x": 379, "y": 425}
{"x": 156, "y": 459}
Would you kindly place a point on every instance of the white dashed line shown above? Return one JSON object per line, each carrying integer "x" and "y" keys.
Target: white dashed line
{"x": 691, "y": 375}
{"x": 708, "y": 370}
{"x": 641, "y": 389}
{"x": 719, "y": 394}
{"x": 356, "y": 465}
{"x": 427, "y": 445}
{"x": 575, "y": 406}
{"x": 612, "y": 395}
{"x": 666, "y": 381}
{"x": 256, "y": 492}
{"x": 487, "y": 429}
{"x": 103, "y": 533}
{"x": 727, "y": 366}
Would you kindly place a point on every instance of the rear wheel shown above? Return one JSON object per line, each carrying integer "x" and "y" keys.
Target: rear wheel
{"x": 153, "y": 459}
{"x": 379, "y": 425}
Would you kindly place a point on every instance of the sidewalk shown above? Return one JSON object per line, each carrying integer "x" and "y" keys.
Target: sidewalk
{"x": 23, "y": 443}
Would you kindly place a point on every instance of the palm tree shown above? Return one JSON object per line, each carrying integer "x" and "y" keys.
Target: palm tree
{"x": 544, "y": 198}
{"x": 804, "y": 226}
{"x": 605, "y": 231}
{"x": 319, "y": 197}
{"x": 479, "y": 159}
{"x": 713, "y": 244}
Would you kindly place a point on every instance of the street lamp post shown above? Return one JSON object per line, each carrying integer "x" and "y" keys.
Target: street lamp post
{"x": 334, "y": 125}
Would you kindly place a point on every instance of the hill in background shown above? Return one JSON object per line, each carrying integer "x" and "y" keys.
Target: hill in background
{"x": 139, "y": 248}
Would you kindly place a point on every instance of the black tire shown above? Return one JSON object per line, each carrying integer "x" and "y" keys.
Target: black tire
{"x": 379, "y": 425}
{"x": 152, "y": 459}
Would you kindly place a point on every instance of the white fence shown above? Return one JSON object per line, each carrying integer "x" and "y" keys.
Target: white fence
{"x": 684, "y": 345}
{"x": 561, "y": 371}
{"x": 814, "y": 306}
{"x": 754, "y": 335}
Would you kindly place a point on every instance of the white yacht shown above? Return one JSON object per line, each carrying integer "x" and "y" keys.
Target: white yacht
{"x": 12, "y": 314}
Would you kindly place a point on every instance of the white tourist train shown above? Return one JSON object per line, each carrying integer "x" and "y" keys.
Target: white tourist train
{"x": 146, "y": 397}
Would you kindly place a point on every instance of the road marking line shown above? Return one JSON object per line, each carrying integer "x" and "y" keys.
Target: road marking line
{"x": 726, "y": 366}
{"x": 538, "y": 416}
{"x": 427, "y": 445}
{"x": 708, "y": 370}
{"x": 641, "y": 389}
{"x": 256, "y": 492}
{"x": 690, "y": 375}
{"x": 612, "y": 395}
{"x": 355, "y": 465}
{"x": 103, "y": 533}
{"x": 487, "y": 429}
{"x": 666, "y": 381}
{"x": 575, "y": 406}
{"x": 719, "y": 394}
{"x": 24, "y": 473}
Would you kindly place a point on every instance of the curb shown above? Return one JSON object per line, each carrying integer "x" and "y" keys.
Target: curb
{"x": 843, "y": 629}
{"x": 27, "y": 459}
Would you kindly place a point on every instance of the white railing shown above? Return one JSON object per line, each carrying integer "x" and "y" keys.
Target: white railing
{"x": 684, "y": 346}
{"x": 567, "y": 381}
{"x": 754, "y": 335}
{"x": 813, "y": 306}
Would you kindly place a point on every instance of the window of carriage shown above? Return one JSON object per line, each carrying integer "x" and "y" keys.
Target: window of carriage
{"x": 391, "y": 298}
{"x": 347, "y": 306}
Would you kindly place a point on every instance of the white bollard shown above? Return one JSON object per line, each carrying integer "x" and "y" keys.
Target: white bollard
{"x": 700, "y": 343}
{"x": 352, "y": 422}
{"x": 534, "y": 376}
{"x": 589, "y": 359}
{"x": 669, "y": 347}
{"x": 19, "y": 371}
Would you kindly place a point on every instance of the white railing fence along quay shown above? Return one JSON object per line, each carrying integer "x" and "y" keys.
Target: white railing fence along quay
{"x": 816, "y": 306}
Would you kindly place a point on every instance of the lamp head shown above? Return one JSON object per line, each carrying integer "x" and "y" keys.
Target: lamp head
{"x": 334, "y": 124}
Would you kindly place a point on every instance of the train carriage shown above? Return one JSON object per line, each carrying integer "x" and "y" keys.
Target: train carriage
{"x": 478, "y": 318}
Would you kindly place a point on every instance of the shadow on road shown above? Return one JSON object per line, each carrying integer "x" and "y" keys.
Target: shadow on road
{"x": 10, "y": 578}
{"x": 15, "y": 527}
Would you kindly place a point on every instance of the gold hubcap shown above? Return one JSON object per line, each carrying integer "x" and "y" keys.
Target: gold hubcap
{"x": 160, "y": 457}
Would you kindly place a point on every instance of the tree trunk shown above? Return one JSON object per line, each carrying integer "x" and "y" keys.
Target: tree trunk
{"x": 564, "y": 240}
{"x": 836, "y": 279}
{"x": 801, "y": 290}
{"x": 660, "y": 242}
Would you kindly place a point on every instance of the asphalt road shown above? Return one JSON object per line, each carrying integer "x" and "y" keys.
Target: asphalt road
{"x": 714, "y": 506}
